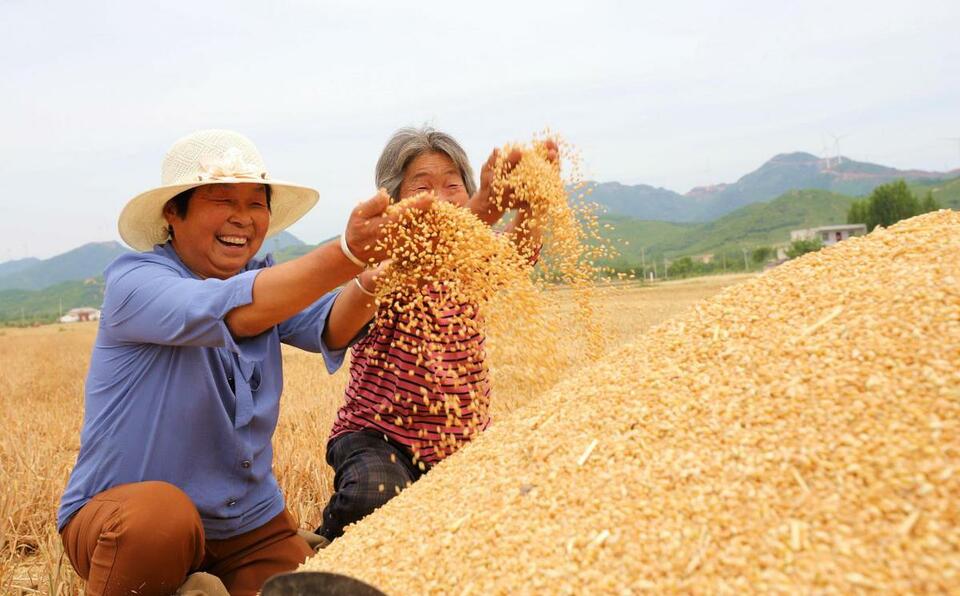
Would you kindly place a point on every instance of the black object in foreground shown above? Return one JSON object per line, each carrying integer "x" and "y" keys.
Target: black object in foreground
{"x": 317, "y": 583}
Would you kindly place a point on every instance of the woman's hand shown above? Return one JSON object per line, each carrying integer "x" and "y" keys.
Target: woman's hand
{"x": 489, "y": 207}
{"x": 364, "y": 228}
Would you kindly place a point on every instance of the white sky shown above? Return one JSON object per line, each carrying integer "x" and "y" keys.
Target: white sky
{"x": 678, "y": 95}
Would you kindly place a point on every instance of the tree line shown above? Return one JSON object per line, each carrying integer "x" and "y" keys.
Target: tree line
{"x": 888, "y": 204}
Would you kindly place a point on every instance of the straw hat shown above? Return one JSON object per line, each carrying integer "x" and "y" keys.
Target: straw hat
{"x": 209, "y": 157}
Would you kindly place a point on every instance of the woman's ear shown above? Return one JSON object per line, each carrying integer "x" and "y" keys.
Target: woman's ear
{"x": 170, "y": 212}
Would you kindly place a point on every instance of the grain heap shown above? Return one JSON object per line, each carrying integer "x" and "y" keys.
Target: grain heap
{"x": 800, "y": 432}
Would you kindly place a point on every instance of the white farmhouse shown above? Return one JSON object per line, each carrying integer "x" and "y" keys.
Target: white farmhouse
{"x": 829, "y": 235}
{"x": 76, "y": 315}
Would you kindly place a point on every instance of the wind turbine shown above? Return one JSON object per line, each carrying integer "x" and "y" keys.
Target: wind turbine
{"x": 825, "y": 150}
{"x": 836, "y": 146}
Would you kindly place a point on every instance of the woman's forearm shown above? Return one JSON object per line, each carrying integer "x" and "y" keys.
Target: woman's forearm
{"x": 351, "y": 312}
{"x": 281, "y": 291}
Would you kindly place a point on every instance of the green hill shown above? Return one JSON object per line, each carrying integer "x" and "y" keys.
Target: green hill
{"x": 760, "y": 224}
{"x": 80, "y": 263}
{"x": 45, "y": 306}
{"x": 946, "y": 192}
{"x": 770, "y": 223}
{"x": 11, "y": 267}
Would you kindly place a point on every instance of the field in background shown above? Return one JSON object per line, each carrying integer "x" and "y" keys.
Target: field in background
{"x": 41, "y": 404}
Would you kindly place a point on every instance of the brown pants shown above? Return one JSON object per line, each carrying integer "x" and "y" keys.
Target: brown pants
{"x": 145, "y": 538}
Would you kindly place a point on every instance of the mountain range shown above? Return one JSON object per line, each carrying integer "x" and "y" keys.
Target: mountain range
{"x": 80, "y": 263}
{"x": 781, "y": 173}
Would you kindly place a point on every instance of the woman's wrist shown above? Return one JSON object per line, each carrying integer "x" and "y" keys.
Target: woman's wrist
{"x": 485, "y": 208}
{"x": 367, "y": 281}
{"x": 362, "y": 287}
{"x": 345, "y": 249}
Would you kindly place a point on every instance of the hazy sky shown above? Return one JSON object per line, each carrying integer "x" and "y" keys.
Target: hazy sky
{"x": 678, "y": 94}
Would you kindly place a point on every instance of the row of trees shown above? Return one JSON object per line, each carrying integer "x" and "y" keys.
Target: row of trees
{"x": 728, "y": 261}
{"x": 888, "y": 204}
{"x": 725, "y": 261}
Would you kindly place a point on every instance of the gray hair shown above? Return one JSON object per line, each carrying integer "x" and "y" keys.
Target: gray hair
{"x": 408, "y": 143}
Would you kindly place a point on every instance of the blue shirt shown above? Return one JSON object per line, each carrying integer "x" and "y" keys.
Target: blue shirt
{"x": 171, "y": 395}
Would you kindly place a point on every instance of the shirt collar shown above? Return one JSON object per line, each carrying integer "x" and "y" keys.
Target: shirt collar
{"x": 166, "y": 250}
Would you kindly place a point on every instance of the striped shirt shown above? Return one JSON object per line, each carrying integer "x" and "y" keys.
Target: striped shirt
{"x": 425, "y": 390}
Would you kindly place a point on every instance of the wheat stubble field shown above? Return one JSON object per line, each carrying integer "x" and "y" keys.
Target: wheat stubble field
{"x": 41, "y": 408}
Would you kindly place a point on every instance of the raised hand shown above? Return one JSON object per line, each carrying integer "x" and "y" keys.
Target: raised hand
{"x": 365, "y": 227}
{"x": 489, "y": 203}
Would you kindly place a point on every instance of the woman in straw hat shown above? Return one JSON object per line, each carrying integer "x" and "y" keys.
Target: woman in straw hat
{"x": 174, "y": 475}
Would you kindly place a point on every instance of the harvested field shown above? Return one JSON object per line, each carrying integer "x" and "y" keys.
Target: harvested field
{"x": 41, "y": 404}
{"x": 797, "y": 433}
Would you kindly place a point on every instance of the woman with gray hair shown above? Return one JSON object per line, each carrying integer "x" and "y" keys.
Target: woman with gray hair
{"x": 399, "y": 416}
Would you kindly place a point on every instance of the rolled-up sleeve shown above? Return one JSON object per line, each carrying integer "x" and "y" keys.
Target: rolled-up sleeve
{"x": 147, "y": 301}
{"x": 305, "y": 331}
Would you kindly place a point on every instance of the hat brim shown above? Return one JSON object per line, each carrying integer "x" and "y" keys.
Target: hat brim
{"x": 142, "y": 225}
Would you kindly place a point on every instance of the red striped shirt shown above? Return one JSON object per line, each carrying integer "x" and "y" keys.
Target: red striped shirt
{"x": 427, "y": 391}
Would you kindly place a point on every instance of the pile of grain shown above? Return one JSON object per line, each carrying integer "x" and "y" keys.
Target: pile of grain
{"x": 799, "y": 432}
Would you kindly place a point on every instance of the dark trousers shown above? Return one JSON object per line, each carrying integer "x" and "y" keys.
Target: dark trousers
{"x": 369, "y": 471}
{"x": 144, "y": 538}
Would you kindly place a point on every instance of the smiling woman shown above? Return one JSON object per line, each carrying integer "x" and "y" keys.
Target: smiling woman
{"x": 183, "y": 392}
{"x": 221, "y": 226}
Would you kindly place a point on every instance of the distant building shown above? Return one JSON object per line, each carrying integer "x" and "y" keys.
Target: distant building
{"x": 706, "y": 259}
{"x": 774, "y": 263}
{"x": 829, "y": 235}
{"x": 77, "y": 315}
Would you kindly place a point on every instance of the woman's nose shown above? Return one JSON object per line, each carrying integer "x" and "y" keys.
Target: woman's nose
{"x": 242, "y": 216}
